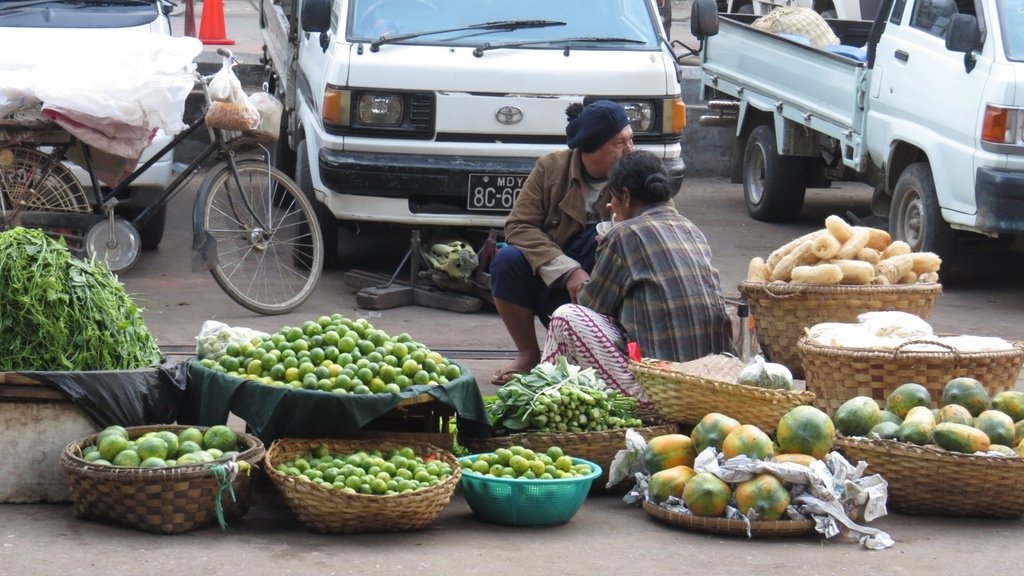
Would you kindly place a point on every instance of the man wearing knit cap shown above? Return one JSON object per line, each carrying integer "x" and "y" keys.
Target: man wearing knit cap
{"x": 551, "y": 231}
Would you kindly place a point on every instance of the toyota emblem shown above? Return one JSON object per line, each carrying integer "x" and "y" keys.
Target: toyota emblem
{"x": 509, "y": 115}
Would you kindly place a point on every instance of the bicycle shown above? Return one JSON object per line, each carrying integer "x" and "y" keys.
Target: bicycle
{"x": 254, "y": 230}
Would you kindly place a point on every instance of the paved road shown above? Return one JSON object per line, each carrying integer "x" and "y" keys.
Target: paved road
{"x": 605, "y": 537}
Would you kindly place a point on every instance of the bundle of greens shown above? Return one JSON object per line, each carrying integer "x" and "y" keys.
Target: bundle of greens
{"x": 560, "y": 397}
{"x": 61, "y": 313}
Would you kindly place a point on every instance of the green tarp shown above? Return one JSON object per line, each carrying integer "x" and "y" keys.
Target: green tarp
{"x": 280, "y": 412}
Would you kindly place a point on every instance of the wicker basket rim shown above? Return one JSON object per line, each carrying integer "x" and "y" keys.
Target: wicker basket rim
{"x": 729, "y": 525}
{"x": 906, "y": 450}
{"x": 734, "y": 388}
{"x": 253, "y": 454}
{"x": 804, "y": 344}
{"x": 788, "y": 289}
{"x": 287, "y": 482}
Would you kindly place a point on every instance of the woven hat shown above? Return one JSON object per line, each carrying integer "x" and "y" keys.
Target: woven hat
{"x": 595, "y": 125}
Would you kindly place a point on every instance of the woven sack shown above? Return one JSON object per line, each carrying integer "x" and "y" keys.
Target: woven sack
{"x": 799, "y": 21}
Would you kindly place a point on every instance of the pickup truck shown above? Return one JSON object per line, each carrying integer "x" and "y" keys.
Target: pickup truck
{"x": 431, "y": 113}
{"x": 33, "y": 31}
{"x": 926, "y": 103}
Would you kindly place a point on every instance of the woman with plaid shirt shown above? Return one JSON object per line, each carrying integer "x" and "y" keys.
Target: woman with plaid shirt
{"x": 653, "y": 284}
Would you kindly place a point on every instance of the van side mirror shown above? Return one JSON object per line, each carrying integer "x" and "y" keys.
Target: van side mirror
{"x": 704, "y": 18}
{"x": 316, "y": 15}
{"x": 963, "y": 34}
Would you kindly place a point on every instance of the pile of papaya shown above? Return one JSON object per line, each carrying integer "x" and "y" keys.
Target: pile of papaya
{"x": 965, "y": 420}
{"x": 804, "y": 434}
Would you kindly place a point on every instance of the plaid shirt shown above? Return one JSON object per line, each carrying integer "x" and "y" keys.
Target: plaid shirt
{"x": 654, "y": 275}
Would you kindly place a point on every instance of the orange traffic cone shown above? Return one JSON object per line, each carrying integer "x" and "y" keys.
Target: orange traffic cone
{"x": 211, "y": 26}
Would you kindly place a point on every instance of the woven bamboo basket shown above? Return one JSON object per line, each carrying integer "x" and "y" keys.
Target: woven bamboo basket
{"x": 165, "y": 500}
{"x": 782, "y": 311}
{"x": 599, "y": 446}
{"x": 837, "y": 374}
{"x": 731, "y": 527}
{"x": 685, "y": 393}
{"x": 928, "y": 480}
{"x": 327, "y": 510}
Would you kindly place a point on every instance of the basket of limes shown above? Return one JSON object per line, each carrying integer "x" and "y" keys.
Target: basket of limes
{"x": 349, "y": 486}
{"x": 164, "y": 478}
{"x": 519, "y": 487}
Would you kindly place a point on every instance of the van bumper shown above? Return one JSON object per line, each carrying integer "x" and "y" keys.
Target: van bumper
{"x": 430, "y": 184}
{"x": 999, "y": 196}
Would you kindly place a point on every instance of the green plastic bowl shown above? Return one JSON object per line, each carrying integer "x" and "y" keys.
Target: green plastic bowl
{"x": 522, "y": 502}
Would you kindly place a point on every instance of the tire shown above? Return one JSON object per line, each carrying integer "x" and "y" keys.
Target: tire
{"x": 152, "y": 232}
{"x": 915, "y": 216}
{"x": 57, "y": 191}
{"x": 283, "y": 157}
{"x": 328, "y": 222}
{"x": 773, "y": 186}
{"x": 256, "y": 238}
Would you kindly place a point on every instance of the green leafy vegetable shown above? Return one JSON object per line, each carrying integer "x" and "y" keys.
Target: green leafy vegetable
{"x": 60, "y": 313}
{"x": 560, "y": 397}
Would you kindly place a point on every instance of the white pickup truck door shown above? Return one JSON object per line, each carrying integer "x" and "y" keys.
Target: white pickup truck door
{"x": 922, "y": 94}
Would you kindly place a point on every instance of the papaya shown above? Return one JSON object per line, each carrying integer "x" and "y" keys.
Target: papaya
{"x": 1011, "y": 403}
{"x": 968, "y": 393}
{"x": 712, "y": 430}
{"x": 1018, "y": 432}
{"x": 803, "y": 459}
{"x": 960, "y": 438}
{"x": 806, "y": 430}
{"x": 1020, "y": 449}
{"x": 907, "y": 396}
{"x": 857, "y": 416}
{"x": 668, "y": 451}
{"x": 763, "y": 495}
{"x": 707, "y": 495}
{"x": 669, "y": 482}
{"x": 955, "y": 413}
{"x": 1004, "y": 450}
{"x": 886, "y": 416}
{"x": 749, "y": 440}
{"x": 917, "y": 427}
{"x": 998, "y": 426}
{"x": 884, "y": 431}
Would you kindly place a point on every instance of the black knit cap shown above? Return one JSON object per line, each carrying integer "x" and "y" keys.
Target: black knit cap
{"x": 594, "y": 125}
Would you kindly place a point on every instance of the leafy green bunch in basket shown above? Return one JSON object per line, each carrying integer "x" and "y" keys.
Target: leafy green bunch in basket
{"x": 560, "y": 397}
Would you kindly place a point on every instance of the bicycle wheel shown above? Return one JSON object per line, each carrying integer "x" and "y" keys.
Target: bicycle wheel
{"x": 57, "y": 190}
{"x": 269, "y": 253}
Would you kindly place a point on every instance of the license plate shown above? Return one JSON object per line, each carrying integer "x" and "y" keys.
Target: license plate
{"x": 493, "y": 192}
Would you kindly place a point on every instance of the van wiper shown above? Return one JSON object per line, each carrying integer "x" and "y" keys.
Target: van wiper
{"x": 498, "y": 25}
{"x": 479, "y": 50}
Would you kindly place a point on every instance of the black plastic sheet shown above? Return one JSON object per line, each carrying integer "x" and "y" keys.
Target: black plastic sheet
{"x": 282, "y": 412}
{"x": 123, "y": 397}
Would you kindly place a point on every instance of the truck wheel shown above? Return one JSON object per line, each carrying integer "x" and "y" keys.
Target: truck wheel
{"x": 773, "y": 185}
{"x": 328, "y": 222}
{"x": 283, "y": 156}
{"x": 915, "y": 216}
{"x": 152, "y": 232}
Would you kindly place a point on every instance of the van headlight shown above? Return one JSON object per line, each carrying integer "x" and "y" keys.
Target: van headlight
{"x": 377, "y": 112}
{"x": 641, "y": 115}
{"x": 379, "y": 109}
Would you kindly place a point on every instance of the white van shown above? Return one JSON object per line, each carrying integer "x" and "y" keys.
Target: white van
{"x": 433, "y": 112}
{"x": 31, "y": 31}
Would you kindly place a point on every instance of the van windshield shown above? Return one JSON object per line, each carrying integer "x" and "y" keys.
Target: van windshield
{"x": 445, "y": 20}
{"x": 1011, "y": 21}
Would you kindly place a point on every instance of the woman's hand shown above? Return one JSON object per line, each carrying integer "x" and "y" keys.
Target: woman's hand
{"x": 576, "y": 279}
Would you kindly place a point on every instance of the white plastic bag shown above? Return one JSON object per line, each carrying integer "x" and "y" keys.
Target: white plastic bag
{"x": 230, "y": 109}
{"x": 214, "y": 338}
